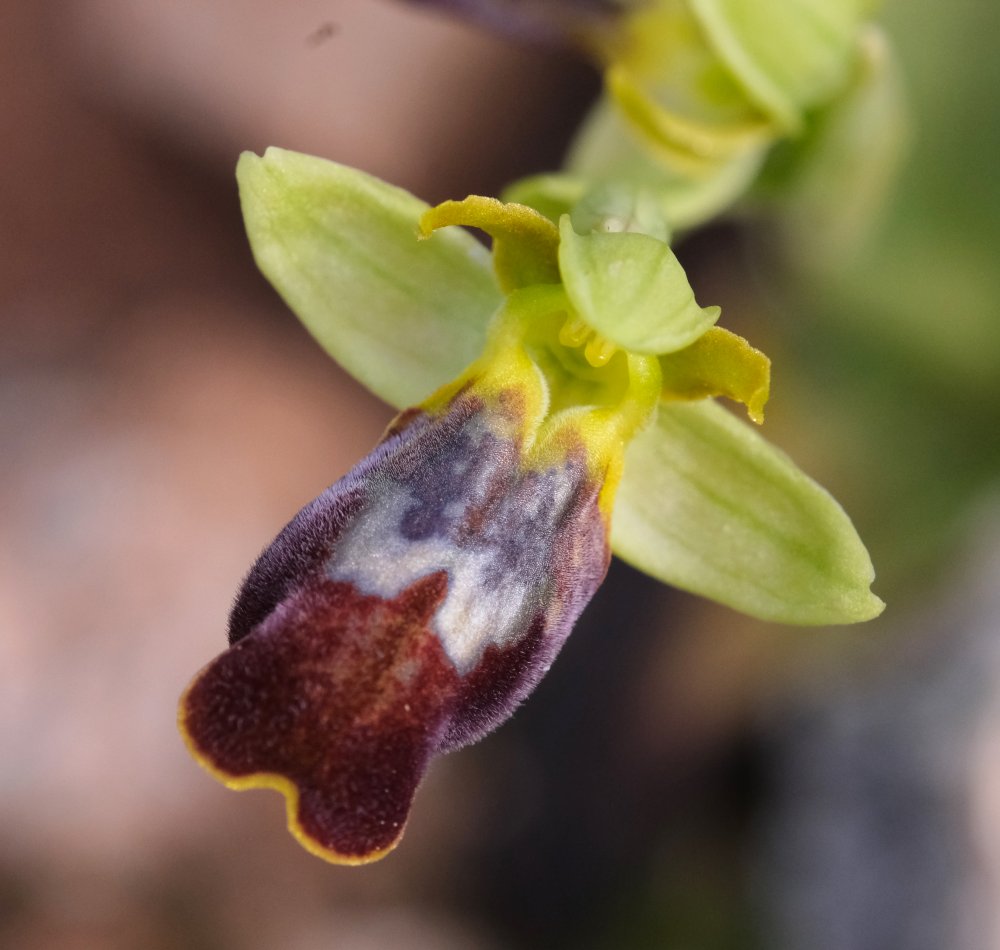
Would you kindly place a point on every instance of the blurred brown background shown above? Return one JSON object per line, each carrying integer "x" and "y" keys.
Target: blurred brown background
{"x": 686, "y": 778}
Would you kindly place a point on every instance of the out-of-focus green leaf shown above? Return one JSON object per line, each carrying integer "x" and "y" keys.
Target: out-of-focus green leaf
{"x": 400, "y": 314}
{"x": 789, "y": 55}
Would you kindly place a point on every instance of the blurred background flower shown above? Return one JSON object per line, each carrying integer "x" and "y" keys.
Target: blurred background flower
{"x": 715, "y": 782}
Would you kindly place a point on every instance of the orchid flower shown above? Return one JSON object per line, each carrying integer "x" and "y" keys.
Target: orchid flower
{"x": 562, "y": 408}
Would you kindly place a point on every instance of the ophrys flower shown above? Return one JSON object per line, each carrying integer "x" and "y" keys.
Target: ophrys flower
{"x": 411, "y": 607}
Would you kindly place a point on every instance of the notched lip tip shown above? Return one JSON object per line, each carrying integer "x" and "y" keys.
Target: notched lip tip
{"x": 290, "y": 793}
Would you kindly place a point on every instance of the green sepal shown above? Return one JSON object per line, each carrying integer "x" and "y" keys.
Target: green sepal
{"x": 401, "y": 315}
{"x": 631, "y": 289}
{"x": 612, "y": 207}
{"x": 709, "y": 506}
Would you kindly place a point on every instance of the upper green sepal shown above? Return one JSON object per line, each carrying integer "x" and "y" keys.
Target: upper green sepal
{"x": 401, "y": 315}
{"x": 631, "y": 289}
{"x": 709, "y": 506}
{"x": 612, "y": 207}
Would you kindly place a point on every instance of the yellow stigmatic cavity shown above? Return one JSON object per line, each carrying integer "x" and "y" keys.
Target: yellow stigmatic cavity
{"x": 525, "y": 243}
{"x": 719, "y": 363}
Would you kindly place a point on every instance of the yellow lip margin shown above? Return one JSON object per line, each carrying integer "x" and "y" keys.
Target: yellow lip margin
{"x": 278, "y": 783}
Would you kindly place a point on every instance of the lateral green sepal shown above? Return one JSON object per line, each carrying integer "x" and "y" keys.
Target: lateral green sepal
{"x": 709, "y": 506}
{"x": 402, "y": 316}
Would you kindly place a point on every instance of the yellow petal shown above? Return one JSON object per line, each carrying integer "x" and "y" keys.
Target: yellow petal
{"x": 719, "y": 363}
{"x": 525, "y": 243}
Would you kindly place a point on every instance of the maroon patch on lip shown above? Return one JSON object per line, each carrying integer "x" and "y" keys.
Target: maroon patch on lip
{"x": 348, "y": 696}
{"x": 345, "y": 695}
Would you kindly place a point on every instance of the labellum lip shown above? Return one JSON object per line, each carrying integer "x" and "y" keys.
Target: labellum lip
{"x": 404, "y": 613}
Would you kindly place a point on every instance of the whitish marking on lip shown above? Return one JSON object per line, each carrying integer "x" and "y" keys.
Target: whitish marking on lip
{"x": 498, "y": 576}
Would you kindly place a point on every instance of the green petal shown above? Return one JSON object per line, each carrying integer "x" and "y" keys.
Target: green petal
{"x": 707, "y": 505}
{"x": 788, "y": 55}
{"x": 631, "y": 289}
{"x": 400, "y": 314}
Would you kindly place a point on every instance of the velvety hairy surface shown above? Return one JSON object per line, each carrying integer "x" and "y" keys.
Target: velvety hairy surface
{"x": 405, "y": 612}
{"x": 341, "y": 695}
